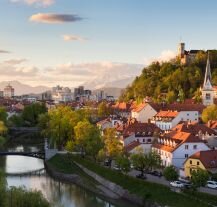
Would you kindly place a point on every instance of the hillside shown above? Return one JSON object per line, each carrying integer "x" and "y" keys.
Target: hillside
{"x": 171, "y": 81}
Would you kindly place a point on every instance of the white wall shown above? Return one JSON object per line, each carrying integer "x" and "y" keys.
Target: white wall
{"x": 144, "y": 115}
{"x": 179, "y": 154}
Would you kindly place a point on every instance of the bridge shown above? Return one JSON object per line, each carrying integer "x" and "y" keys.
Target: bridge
{"x": 39, "y": 155}
{"x": 38, "y": 172}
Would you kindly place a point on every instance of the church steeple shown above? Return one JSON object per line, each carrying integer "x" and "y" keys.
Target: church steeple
{"x": 207, "y": 80}
{"x": 207, "y": 90}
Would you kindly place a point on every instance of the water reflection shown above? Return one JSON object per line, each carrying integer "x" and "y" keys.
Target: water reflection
{"x": 58, "y": 193}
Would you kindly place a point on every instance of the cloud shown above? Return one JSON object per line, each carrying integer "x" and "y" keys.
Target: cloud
{"x": 51, "y": 18}
{"x": 165, "y": 56}
{"x": 44, "y": 3}
{"x": 4, "y": 51}
{"x": 14, "y": 61}
{"x": 74, "y": 38}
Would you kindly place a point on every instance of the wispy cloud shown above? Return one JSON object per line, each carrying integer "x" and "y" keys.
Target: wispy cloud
{"x": 14, "y": 61}
{"x": 50, "y": 18}
{"x": 165, "y": 56}
{"x": 44, "y": 3}
{"x": 4, "y": 51}
{"x": 74, "y": 38}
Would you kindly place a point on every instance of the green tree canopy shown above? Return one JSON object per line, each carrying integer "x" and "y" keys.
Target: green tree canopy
{"x": 170, "y": 173}
{"x": 199, "y": 177}
{"x": 209, "y": 113}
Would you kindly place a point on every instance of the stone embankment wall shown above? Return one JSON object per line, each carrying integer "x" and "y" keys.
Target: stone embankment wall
{"x": 121, "y": 192}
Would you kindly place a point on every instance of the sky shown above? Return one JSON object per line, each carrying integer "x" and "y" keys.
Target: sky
{"x": 72, "y": 42}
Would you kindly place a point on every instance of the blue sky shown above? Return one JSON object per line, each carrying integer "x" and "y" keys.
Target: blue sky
{"x": 114, "y": 31}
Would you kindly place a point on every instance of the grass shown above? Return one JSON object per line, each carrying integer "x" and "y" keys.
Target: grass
{"x": 151, "y": 191}
{"x": 64, "y": 164}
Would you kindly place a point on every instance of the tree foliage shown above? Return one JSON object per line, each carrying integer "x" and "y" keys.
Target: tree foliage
{"x": 170, "y": 173}
{"x": 112, "y": 146}
{"x": 209, "y": 113}
{"x": 180, "y": 81}
{"x": 145, "y": 162}
{"x": 123, "y": 162}
{"x": 199, "y": 177}
{"x": 31, "y": 113}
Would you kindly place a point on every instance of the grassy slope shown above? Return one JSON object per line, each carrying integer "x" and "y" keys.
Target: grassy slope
{"x": 155, "y": 192}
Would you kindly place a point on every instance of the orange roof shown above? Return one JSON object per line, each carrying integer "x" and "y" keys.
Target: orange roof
{"x": 139, "y": 107}
{"x": 131, "y": 146}
{"x": 208, "y": 158}
{"x": 170, "y": 114}
{"x": 163, "y": 147}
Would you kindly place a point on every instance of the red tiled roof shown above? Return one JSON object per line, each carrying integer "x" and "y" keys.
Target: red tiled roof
{"x": 147, "y": 128}
{"x": 208, "y": 158}
{"x": 193, "y": 128}
{"x": 169, "y": 114}
{"x": 163, "y": 147}
{"x": 131, "y": 146}
{"x": 139, "y": 107}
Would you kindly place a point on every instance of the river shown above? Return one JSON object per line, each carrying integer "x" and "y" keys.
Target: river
{"x": 58, "y": 193}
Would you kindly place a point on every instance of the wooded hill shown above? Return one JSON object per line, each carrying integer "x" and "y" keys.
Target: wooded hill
{"x": 172, "y": 81}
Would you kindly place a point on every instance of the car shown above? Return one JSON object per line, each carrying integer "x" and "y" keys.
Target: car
{"x": 177, "y": 184}
{"x": 116, "y": 167}
{"x": 107, "y": 163}
{"x": 156, "y": 173}
{"x": 211, "y": 184}
{"x": 141, "y": 176}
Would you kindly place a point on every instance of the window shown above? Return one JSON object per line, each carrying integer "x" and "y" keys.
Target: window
{"x": 208, "y": 96}
{"x": 198, "y": 163}
{"x": 195, "y": 147}
{"x": 149, "y": 140}
{"x": 186, "y": 147}
{"x": 187, "y": 114}
{"x": 143, "y": 140}
{"x": 191, "y": 162}
{"x": 186, "y": 155}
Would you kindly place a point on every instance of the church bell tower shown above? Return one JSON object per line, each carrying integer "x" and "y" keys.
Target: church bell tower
{"x": 207, "y": 90}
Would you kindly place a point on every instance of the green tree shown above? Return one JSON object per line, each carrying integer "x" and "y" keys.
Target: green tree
{"x": 145, "y": 162}
{"x": 3, "y": 115}
{"x": 3, "y": 192}
{"x": 209, "y": 113}
{"x": 198, "y": 96}
{"x": 123, "y": 162}
{"x": 88, "y": 139}
{"x": 171, "y": 97}
{"x": 170, "y": 173}
{"x": 16, "y": 121}
{"x": 31, "y": 113}
{"x": 103, "y": 110}
{"x": 112, "y": 146}
{"x": 20, "y": 197}
{"x": 199, "y": 177}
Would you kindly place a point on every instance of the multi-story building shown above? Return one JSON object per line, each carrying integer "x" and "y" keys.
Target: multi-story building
{"x": 61, "y": 94}
{"x": 8, "y": 91}
{"x": 175, "y": 148}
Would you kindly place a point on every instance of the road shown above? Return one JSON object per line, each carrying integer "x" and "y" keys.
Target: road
{"x": 163, "y": 181}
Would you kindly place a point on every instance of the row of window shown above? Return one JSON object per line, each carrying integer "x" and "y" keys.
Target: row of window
{"x": 187, "y": 147}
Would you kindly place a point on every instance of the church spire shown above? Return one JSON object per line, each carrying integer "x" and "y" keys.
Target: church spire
{"x": 207, "y": 80}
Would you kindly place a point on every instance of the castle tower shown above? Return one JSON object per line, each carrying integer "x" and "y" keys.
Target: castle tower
{"x": 207, "y": 90}
{"x": 181, "y": 50}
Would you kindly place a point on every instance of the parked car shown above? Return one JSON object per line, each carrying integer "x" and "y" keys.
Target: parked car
{"x": 177, "y": 184}
{"x": 211, "y": 184}
{"x": 116, "y": 167}
{"x": 156, "y": 173}
{"x": 107, "y": 163}
{"x": 141, "y": 176}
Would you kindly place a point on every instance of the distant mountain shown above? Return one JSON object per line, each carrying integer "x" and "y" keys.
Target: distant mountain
{"x": 116, "y": 92}
{"x": 21, "y": 89}
{"x": 105, "y": 83}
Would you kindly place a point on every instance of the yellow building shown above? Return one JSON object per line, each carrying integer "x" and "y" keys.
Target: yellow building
{"x": 206, "y": 160}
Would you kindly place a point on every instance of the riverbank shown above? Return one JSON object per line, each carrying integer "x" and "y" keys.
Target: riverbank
{"x": 62, "y": 168}
{"x": 151, "y": 192}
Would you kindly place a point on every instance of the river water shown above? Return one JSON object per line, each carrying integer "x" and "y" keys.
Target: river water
{"x": 58, "y": 193}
